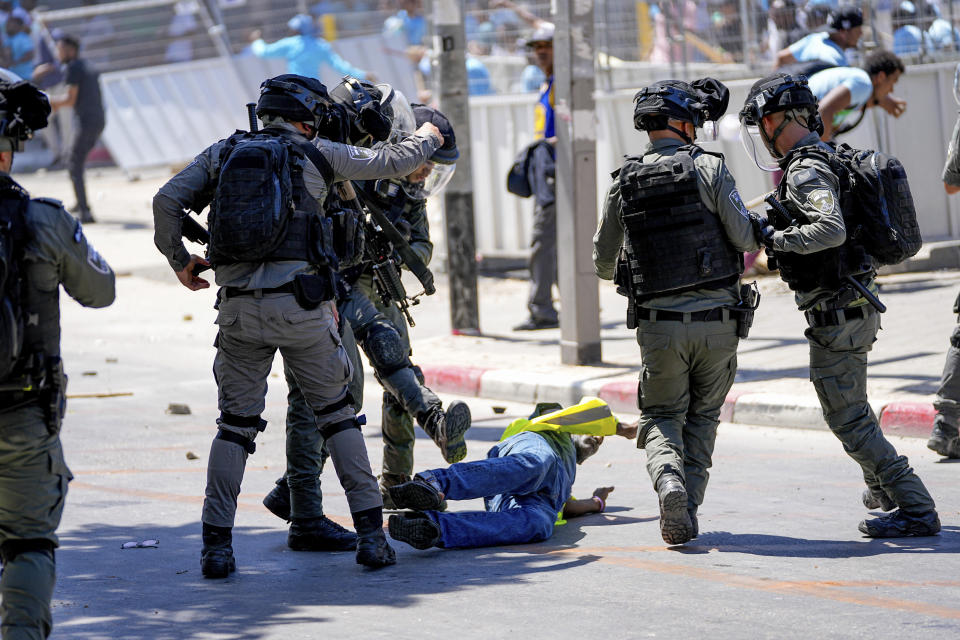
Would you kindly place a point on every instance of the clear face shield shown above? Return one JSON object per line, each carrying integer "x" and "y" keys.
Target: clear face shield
{"x": 428, "y": 180}
{"x": 709, "y": 132}
{"x": 956, "y": 84}
{"x": 404, "y": 123}
{"x": 756, "y": 148}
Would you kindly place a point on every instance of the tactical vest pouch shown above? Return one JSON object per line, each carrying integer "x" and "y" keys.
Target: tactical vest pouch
{"x": 53, "y": 395}
{"x": 312, "y": 290}
{"x": 673, "y": 242}
{"x": 884, "y": 208}
{"x": 13, "y": 236}
{"x": 253, "y": 203}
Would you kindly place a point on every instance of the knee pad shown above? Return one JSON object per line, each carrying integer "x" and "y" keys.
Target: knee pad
{"x": 229, "y": 436}
{"x": 384, "y": 347}
{"x": 10, "y": 549}
{"x": 330, "y": 430}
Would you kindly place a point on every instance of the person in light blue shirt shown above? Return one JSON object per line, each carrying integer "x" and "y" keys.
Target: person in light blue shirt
{"x": 943, "y": 36}
{"x": 304, "y": 52}
{"x": 409, "y": 21}
{"x": 20, "y": 45}
{"x": 845, "y": 93}
{"x": 908, "y": 38}
{"x": 846, "y": 27}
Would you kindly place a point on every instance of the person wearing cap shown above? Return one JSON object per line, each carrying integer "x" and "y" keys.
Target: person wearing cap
{"x": 525, "y": 482}
{"x": 846, "y": 27}
{"x": 817, "y": 257}
{"x": 83, "y": 95}
{"x": 33, "y": 472}
{"x": 283, "y": 300}
{"x": 845, "y": 93}
{"x": 672, "y": 236}
{"x": 543, "y": 244}
{"x": 305, "y": 51}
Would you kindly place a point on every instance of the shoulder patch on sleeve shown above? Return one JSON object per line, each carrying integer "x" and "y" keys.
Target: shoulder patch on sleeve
{"x": 738, "y": 203}
{"x": 803, "y": 176}
{"x": 96, "y": 261}
{"x": 359, "y": 153}
{"x": 822, "y": 200}
{"x": 53, "y": 202}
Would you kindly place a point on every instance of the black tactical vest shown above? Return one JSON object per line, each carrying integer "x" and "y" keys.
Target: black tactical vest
{"x": 823, "y": 269}
{"x": 307, "y": 234}
{"x": 672, "y": 241}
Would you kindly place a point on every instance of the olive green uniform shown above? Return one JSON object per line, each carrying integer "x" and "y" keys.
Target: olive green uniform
{"x": 687, "y": 366}
{"x": 33, "y": 473}
{"x": 841, "y": 335}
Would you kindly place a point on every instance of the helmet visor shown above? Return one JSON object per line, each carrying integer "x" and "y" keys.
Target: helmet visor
{"x": 404, "y": 124}
{"x": 756, "y": 149}
{"x": 709, "y": 132}
{"x": 956, "y": 84}
{"x": 434, "y": 182}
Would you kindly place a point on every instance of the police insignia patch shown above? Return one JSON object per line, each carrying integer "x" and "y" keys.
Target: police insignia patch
{"x": 738, "y": 203}
{"x": 822, "y": 200}
{"x": 96, "y": 261}
{"x": 359, "y": 153}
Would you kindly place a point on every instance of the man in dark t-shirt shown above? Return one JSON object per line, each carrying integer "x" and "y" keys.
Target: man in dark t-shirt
{"x": 83, "y": 94}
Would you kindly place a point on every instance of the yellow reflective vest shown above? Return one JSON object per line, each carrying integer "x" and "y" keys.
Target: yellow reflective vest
{"x": 590, "y": 417}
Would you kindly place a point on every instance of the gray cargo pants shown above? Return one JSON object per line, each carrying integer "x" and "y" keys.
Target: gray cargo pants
{"x": 251, "y": 331}
{"x": 33, "y": 490}
{"x": 838, "y": 370}
{"x": 947, "y": 403}
{"x": 688, "y": 368}
{"x": 543, "y": 263}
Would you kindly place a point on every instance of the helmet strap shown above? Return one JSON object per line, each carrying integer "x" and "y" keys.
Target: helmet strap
{"x": 772, "y": 140}
{"x": 680, "y": 133}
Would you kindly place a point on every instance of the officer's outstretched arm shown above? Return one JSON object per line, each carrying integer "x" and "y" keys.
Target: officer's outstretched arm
{"x": 85, "y": 275}
{"x": 386, "y": 161}
{"x": 186, "y": 190}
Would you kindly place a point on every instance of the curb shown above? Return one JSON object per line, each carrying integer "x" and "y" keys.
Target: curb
{"x": 912, "y": 419}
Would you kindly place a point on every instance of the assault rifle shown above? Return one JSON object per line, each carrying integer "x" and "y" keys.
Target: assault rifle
{"x": 781, "y": 212}
{"x": 388, "y": 250}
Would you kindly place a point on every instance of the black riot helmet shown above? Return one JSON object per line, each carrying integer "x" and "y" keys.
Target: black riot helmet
{"x": 369, "y": 107}
{"x": 298, "y": 99}
{"x": 23, "y": 110}
{"x": 697, "y": 102}
{"x": 448, "y": 153}
{"x": 778, "y": 92}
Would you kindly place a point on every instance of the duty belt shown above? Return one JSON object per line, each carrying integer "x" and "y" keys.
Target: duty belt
{"x": 235, "y": 292}
{"x": 709, "y": 315}
{"x": 834, "y": 317}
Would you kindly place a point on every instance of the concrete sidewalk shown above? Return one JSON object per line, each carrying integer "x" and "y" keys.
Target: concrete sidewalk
{"x": 772, "y": 385}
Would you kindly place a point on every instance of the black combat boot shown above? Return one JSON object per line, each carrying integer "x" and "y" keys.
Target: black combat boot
{"x": 447, "y": 429}
{"x": 387, "y": 480}
{"x": 878, "y": 500}
{"x": 902, "y": 525}
{"x": 416, "y": 529}
{"x": 373, "y": 551}
{"x": 419, "y": 494}
{"x": 675, "y": 524}
{"x": 216, "y": 557}
{"x": 277, "y": 501}
{"x": 320, "y": 534}
{"x": 944, "y": 440}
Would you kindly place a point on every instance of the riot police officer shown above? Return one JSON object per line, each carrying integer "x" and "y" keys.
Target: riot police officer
{"x": 672, "y": 235}
{"x": 380, "y": 328}
{"x": 818, "y": 259}
{"x": 41, "y": 247}
{"x": 282, "y": 300}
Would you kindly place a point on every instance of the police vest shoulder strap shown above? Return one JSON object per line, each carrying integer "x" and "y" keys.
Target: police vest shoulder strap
{"x": 321, "y": 163}
{"x": 695, "y": 150}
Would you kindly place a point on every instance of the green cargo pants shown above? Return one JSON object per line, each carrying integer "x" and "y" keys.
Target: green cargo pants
{"x": 838, "y": 370}
{"x": 33, "y": 489}
{"x": 688, "y": 368}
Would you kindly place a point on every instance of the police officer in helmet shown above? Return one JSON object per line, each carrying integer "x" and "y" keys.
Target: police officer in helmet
{"x": 817, "y": 257}
{"x": 671, "y": 237}
{"x": 281, "y": 299}
{"x": 41, "y": 247}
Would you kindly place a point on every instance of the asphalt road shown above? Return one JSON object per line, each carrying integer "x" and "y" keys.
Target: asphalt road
{"x": 779, "y": 555}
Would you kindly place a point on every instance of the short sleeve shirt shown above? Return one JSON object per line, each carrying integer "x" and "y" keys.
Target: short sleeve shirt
{"x": 857, "y": 81}
{"x": 818, "y": 46}
{"x": 89, "y": 106}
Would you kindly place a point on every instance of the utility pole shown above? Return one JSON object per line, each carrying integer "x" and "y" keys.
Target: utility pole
{"x": 576, "y": 125}
{"x": 450, "y": 45}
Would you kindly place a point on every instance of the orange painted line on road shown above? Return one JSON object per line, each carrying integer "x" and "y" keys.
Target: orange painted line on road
{"x": 826, "y": 590}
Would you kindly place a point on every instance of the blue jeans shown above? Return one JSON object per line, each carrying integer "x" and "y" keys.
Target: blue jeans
{"x": 524, "y": 483}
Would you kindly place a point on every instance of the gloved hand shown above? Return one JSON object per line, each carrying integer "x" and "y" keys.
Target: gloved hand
{"x": 762, "y": 230}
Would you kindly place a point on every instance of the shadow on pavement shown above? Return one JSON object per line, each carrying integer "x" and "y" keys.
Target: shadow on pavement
{"x": 786, "y": 547}
{"x": 105, "y": 592}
